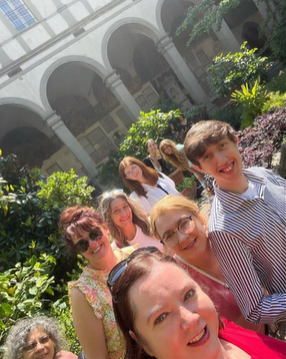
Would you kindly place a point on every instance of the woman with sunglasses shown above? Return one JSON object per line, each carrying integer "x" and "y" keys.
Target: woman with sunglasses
{"x": 38, "y": 337}
{"x": 174, "y": 153}
{"x": 127, "y": 222}
{"x": 146, "y": 185}
{"x": 163, "y": 313}
{"x": 181, "y": 228}
{"x": 92, "y": 313}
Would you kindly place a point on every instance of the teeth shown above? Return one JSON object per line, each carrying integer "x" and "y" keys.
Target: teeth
{"x": 198, "y": 337}
{"x": 228, "y": 169}
{"x": 96, "y": 250}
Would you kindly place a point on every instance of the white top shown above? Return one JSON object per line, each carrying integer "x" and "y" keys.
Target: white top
{"x": 142, "y": 240}
{"x": 154, "y": 194}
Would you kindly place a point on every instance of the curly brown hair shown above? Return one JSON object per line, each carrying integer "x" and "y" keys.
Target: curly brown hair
{"x": 176, "y": 158}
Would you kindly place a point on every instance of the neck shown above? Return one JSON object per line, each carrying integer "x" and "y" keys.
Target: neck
{"x": 106, "y": 263}
{"x": 129, "y": 231}
{"x": 238, "y": 187}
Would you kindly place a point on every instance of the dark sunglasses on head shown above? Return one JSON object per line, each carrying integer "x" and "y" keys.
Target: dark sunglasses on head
{"x": 94, "y": 235}
{"x": 116, "y": 271}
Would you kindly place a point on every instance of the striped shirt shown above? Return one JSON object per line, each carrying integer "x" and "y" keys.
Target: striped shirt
{"x": 249, "y": 240}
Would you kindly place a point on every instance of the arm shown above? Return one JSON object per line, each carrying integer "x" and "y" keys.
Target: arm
{"x": 236, "y": 263}
{"x": 88, "y": 327}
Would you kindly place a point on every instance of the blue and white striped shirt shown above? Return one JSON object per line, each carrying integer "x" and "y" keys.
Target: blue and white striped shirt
{"x": 249, "y": 240}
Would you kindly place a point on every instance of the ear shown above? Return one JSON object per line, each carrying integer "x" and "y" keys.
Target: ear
{"x": 198, "y": 168}
{"x": 141, "y": 343}
{"x": 133, "y": 336}
{"x": 236, "y": 140}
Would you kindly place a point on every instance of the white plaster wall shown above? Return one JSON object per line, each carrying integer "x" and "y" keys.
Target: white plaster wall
{"x": 96, "y": 4}
{"x": 5, "y": 34}
{"x": 36, "y": 36}
{"x": 78, "y": 11}
{"x": 13, "y": 49}
{"x": 57, "y": 23}
{"x": 45, "y": 7}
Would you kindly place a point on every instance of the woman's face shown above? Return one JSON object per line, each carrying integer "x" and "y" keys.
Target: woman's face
{"x": 38, "y": 345}
{"x": 133, "y": 172}
{"x": 190, "y": 246}
{"x": 120, "y": 212}
{"x": 152, "y": 147}
{"x": 174, "y": 318}
{"x": 167, "y": 149}
{"x": 97, "y": 249}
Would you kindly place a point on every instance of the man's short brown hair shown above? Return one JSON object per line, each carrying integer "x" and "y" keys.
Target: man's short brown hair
{"x": 203, "y": 134}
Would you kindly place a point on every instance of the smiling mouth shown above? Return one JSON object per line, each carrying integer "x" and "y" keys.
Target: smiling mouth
{"x": 96, "y": 249}
{"x": 191, "y": 244}
{"x": 228, "y": 169}
{"x": 198, "y": 337}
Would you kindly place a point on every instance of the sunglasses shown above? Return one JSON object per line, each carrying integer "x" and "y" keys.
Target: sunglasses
{"x": 32, "y": 345}
{"x": 94, "y": 235}
{"x": 112, "y": 193}
{"x": 116, "y": 271}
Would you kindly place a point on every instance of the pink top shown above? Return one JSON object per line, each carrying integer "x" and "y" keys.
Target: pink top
{"x": 258, "y": 346}
{"x": 223, "y": 299}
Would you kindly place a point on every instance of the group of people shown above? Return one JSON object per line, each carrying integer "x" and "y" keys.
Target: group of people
{"x": 164, "y": 281}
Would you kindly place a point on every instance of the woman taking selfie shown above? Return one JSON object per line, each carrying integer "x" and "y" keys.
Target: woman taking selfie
{"x": 181, "y": 228}
{"x": 145, "y": 184}
{"x": 126, "y": 221}
{"x": 163, "y": 313}
{"x": 92, "y": 313}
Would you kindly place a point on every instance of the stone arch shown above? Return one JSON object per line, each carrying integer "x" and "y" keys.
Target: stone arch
{"x": 86, "y": 61}
{"x": 22, "y": 131}
{"x": 137, "y": 25}
{"x": 29, "y": 105}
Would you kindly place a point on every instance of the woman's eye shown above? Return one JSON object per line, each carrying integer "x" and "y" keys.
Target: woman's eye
{"x": 190, "y": 293}
{"x": 159, "y": 319}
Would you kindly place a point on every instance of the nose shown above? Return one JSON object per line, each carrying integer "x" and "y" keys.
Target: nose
{"x": 39, "y": 347}
{"x": 181, "y": 236}
{"x": 188, "y": 318}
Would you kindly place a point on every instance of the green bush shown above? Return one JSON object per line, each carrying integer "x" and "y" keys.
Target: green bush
{"x": 277, "y": 83}
{"x": 230, "y": 114}
{"x": 251, "y": 101}
{"x": 229, "y": 71}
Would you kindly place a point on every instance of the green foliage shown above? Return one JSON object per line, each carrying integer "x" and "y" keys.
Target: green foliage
{"x": 186, "y": 183}
{"x": 251, "y": 101}
{"x": 151, "y": 124}
{"x": 108, "y": 172}
{"x": 277, "y": 82}
{"x": 197, "y": 113}
{"x": 21, "y": 290}
{"x": 230, "y": 71}
{"x": 230, "y": 114}
{"x": 62, "y": 189}
{"x": 275, "y": 100}
{"x": 165, "y": 104}
{"x": 202, "y": 16}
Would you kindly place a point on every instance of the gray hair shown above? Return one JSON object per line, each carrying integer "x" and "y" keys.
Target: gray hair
{"x": 17, "y": 337}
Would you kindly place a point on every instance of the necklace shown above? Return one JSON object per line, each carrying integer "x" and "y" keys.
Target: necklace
{"x": 203, "y": 273}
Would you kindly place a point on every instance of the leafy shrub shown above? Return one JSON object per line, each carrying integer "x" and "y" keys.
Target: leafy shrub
{"x": 275, "y": 100}
{"x": 230, "y": 71}
{"x": 230, "y": 114}
{"x": 21, "y": 290}
{"x": 259, "y": 142}
{"x": 251, "y": 101}
{"x": 277, "y": 82}
{"x": 165, "y": 104}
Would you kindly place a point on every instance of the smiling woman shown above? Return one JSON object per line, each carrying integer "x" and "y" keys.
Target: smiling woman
{"x": 93, "y": 318}
{"x": 127, "y": 223}
{"x": 163, "y": 313}
{"x": 38, "y": 337}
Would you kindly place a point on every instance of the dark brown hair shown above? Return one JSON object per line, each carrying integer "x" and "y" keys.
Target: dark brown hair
{"x": 77, "y": 220}
{"x": 148, "y": 173}
{"x": 203, "y": 134}
{"x": 140, "y": 265}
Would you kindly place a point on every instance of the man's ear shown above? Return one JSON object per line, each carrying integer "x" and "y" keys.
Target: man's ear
{"x": 236, "y": 139}
{"x": 198, "y": 168}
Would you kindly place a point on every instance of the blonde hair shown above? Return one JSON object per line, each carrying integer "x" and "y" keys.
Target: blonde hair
{"x": 173, "y": 203}
{"x": 177, "y": 159}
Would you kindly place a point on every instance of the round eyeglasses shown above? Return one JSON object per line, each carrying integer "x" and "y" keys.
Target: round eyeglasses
{"x": 116, "y": 271}
{"x": 82, "y": 245}
{"x": 185, "y": 226}
{"x": 132, "y": 169}
{"x": 33, "y": 345}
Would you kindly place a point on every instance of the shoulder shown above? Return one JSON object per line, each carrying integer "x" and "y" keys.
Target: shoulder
{"x": 147, "y": 160}
{"x": 63, "y": 354}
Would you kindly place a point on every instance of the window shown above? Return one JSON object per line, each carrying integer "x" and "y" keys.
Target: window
{"x": 17, "y": 13}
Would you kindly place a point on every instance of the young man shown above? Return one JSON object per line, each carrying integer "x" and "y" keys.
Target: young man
{"x": 247, "y": 224}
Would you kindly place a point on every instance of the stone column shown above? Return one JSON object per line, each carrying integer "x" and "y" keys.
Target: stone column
{"x": 226, "y": 38}
{"x": 68, "y": 139}
{"x": 122, "y": 94}
{"x": 262, "y": 8}
{"x": 167, "y": 48}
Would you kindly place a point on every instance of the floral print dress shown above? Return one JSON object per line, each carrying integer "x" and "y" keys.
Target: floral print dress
{"x": 92, "y": 283}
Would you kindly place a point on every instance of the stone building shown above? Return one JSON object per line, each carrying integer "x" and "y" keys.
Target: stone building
{"x": 74, "y": 74}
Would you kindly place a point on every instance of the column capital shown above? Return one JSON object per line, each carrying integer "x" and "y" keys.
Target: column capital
{"x": 112, "y": 80}
{"x": 54, "y": 121}
{"x": 165, "y": 44}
